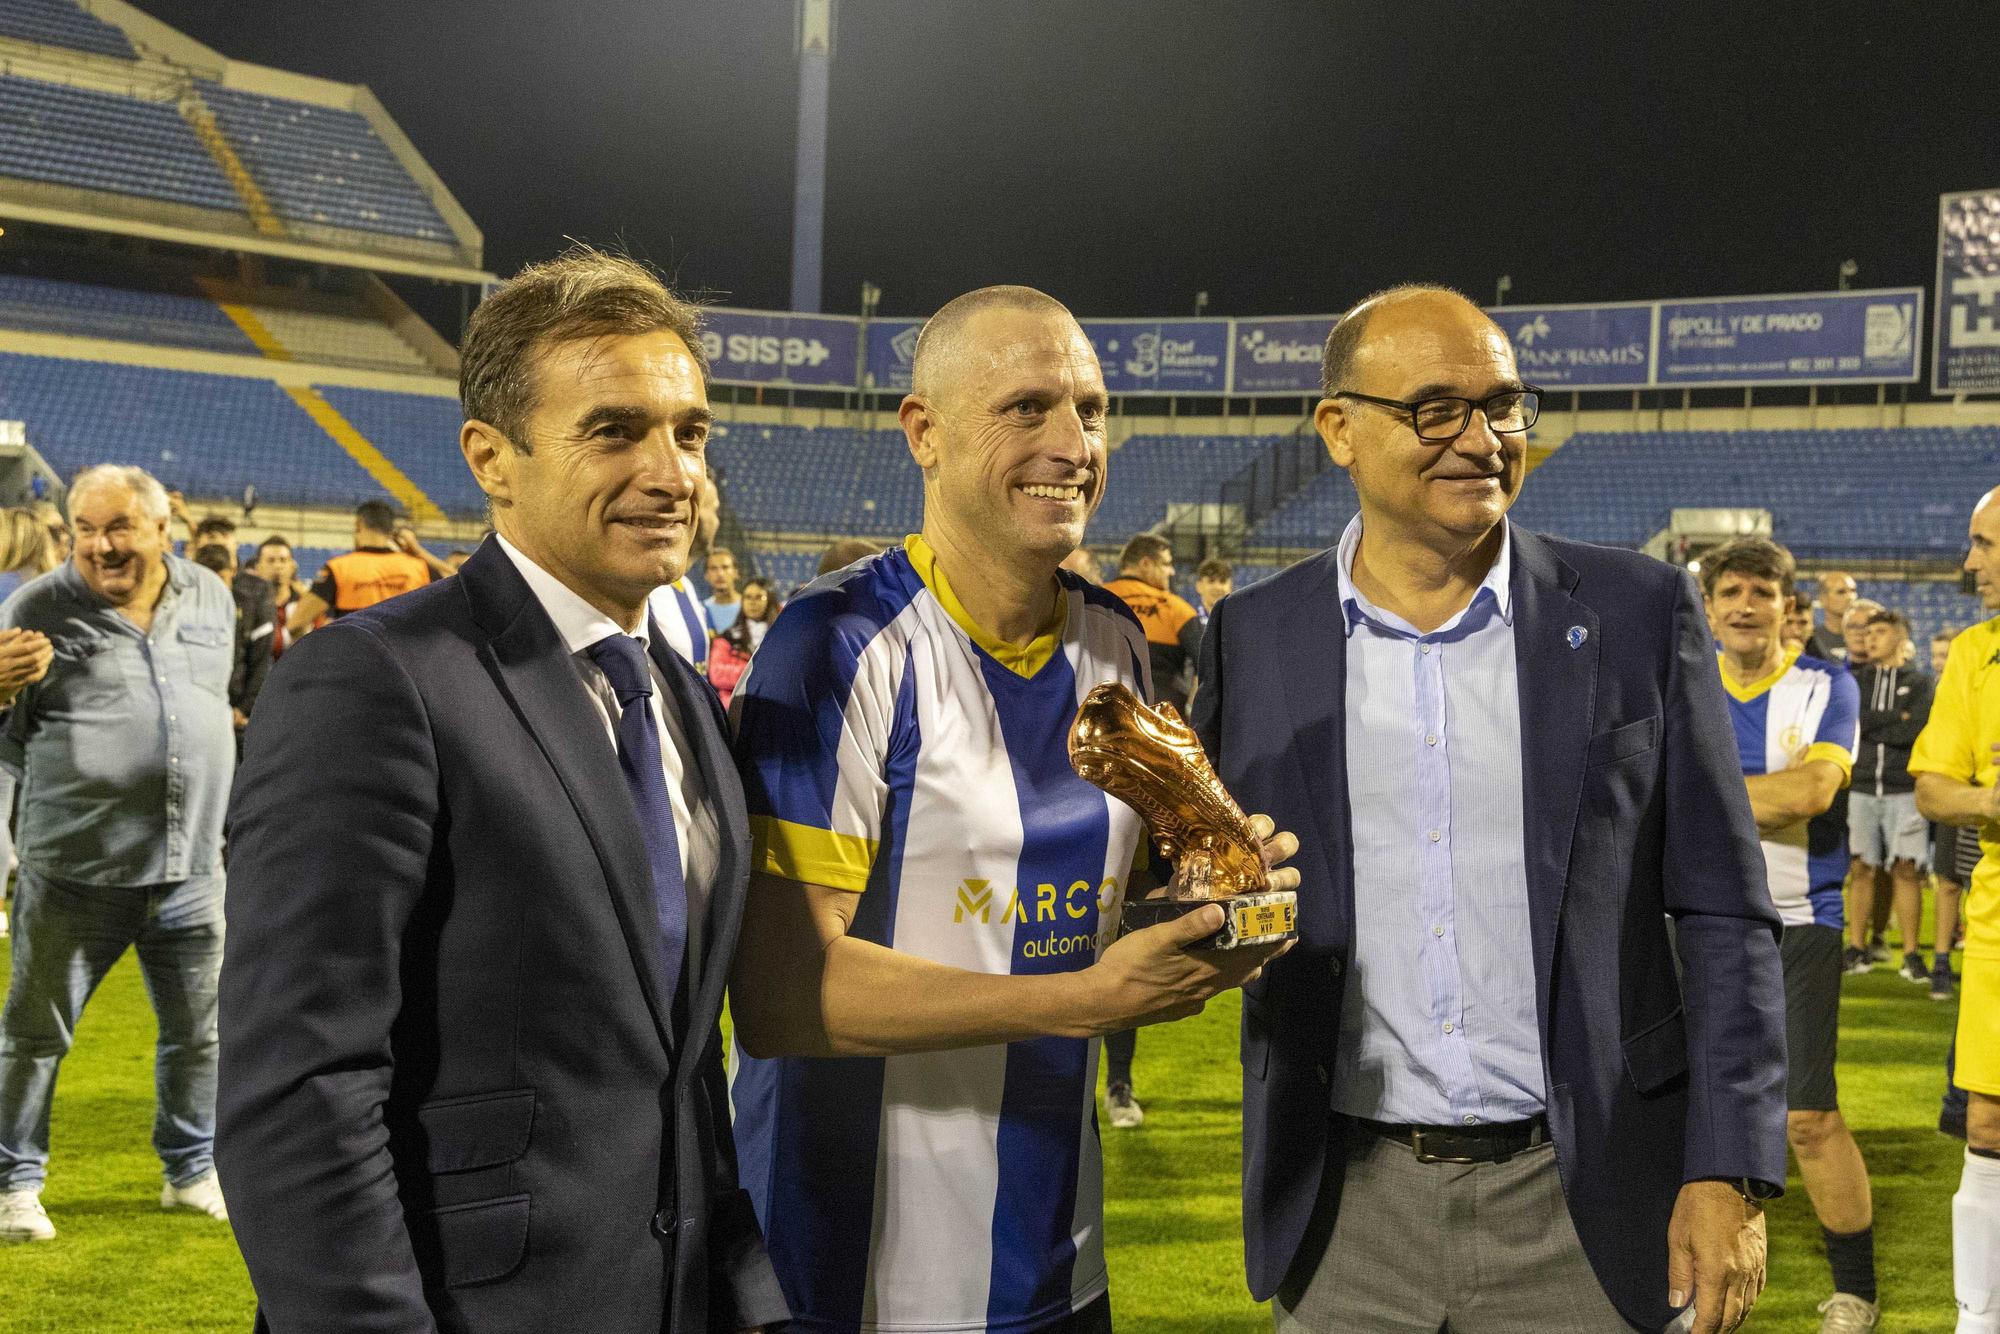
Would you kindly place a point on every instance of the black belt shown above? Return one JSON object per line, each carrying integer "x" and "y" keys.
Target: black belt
{"x": 1463, "y": 1144}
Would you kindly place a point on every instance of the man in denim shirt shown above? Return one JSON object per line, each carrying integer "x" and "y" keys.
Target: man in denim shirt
{"x": 125, "y": 750}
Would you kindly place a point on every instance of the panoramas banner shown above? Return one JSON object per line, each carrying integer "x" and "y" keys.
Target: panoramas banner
{"x": 1967, "y": 356}
{"x": 1581, "y": 347}
{"x": 1818, "y": 339}
{"x": 778, "y": 348}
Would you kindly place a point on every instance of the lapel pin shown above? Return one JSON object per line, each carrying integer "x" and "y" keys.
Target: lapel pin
{"x": 1577, "y": 634}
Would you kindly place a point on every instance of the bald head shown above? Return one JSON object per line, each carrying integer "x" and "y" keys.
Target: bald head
{"x": 942, "y": 358}
{"x": 1419, "y": 304}
{"x": 1982, "y": 555}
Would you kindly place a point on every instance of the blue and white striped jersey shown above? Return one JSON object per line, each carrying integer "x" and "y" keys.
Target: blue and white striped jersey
{"x": 892, "y": 749}
{"x": 683, "y": 621}
{"x": 1808, "y": 709}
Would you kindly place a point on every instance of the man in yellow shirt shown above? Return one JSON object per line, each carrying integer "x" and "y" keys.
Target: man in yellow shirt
{"x": 1957, "y": 762}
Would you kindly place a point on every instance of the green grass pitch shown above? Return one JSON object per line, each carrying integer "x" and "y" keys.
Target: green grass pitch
{"x": 120, "y": 1263}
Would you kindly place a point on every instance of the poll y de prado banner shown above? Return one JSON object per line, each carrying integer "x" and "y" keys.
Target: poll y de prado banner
{"x": 1825, "y": 338}
{"x": 1815, "y": 338}
{"x": 1966, "y": 357}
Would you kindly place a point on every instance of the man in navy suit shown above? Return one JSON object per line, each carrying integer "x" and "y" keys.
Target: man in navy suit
{"x": 489, "y": 859}
{"x": 1479, "y": 1095}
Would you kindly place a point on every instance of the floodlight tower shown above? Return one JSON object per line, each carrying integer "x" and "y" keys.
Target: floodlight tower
{"x": 815, "y": 42}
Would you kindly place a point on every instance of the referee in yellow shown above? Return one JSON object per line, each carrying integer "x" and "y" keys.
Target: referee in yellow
{"x": 1956, "y": 762}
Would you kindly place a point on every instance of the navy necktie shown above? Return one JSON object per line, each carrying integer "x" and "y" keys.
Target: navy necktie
{"x": 622, "y": 659}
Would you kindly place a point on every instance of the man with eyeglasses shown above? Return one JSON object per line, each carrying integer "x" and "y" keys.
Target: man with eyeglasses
{"x": 1478, "y": 1093}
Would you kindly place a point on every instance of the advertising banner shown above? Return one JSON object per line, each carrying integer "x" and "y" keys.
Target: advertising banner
{"x": 776, "y": 348}
{"x": 892, "y": 346}
{"x": 1280, "y": 356}
{"x": 1813, "y": 339}
{"x": 1581, "y": 347}
{"x": 1966, "y": 359}
{"x": 1162, "y": 356}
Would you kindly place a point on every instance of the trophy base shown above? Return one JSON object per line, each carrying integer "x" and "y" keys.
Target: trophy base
{"x": 1251, "y": 919}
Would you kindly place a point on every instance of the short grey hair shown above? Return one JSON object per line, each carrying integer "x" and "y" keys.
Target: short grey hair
{"x": 153, "y": 502}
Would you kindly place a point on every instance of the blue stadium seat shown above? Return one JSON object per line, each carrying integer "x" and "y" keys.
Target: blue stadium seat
{"x": 101, "y": 141}
{"x": 419, "y": 434}
{"x": 1150, "y": 472}
{"x": 324, "y": 165}
{"x": 91, "y": 310}
{"x": 1836, "y": 494}
{"x": 63, "y": 23}
{"x": 207, "y": 435}
{"x": 830, "y": 480}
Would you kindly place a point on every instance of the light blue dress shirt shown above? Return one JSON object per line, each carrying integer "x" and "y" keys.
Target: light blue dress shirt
{"x": 126, "y": 748}
{"x": 1438, "y": 1023}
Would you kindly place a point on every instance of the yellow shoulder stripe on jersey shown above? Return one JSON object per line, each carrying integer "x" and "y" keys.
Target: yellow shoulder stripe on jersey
{"x": 810, "y": 856}
{"x": 1020, "y": 659}
{"x": 1744, "y": 694}
{"x": 1835, "y": 752}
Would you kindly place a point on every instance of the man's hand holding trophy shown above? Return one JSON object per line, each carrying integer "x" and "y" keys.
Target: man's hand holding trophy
{"x": 1150, "y": 759}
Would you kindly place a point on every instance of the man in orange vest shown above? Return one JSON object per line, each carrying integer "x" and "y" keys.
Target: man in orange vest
{"x": 373, "y": 572}
{"x": 1173, "y": 627}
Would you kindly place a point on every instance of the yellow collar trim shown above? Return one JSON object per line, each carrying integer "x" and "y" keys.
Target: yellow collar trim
{"x": 1021, "y": 659}
{"x": 1744, "y": 694}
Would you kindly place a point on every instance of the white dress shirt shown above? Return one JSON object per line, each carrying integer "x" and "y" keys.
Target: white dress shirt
{"x": 695, "y": 825}
{"x": 1439, "y": 1025}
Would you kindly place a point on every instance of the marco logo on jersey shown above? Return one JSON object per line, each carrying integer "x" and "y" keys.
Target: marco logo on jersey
{"x": 983, "y": 903}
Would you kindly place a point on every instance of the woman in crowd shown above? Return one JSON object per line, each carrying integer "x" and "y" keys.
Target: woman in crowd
{"x": 760, "y": 608}
{"x": 729, "y": 654}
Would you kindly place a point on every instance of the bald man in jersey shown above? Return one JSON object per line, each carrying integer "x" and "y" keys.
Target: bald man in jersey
{"x": 928, "y": 958}
{"x": 1479, "y": 1093}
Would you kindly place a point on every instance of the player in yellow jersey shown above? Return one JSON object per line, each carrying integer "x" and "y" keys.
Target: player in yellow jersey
{"x": 1957, "y": 762}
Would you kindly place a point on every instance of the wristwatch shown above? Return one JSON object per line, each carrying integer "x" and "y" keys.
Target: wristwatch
{"x": 1754, "y": 1191}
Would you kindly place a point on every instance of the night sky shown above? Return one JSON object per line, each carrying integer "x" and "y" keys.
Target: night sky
{"x": 1285, "y": 156}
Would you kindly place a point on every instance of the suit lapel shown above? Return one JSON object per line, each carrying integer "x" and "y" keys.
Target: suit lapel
{"x": 701, "y": 721}
{"x": 533, "y": 667}
{"x": 1315, "y": 684}
{"x": 1557, "y": 685}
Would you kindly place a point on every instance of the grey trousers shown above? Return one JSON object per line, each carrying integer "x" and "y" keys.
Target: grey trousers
{"x": 1419, "y": 1248}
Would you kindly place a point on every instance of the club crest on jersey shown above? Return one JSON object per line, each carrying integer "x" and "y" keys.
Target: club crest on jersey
{"x": 1792, "y": 741}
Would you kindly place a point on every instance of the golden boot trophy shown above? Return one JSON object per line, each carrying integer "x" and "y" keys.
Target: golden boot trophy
{"x": 1151, "y": 760}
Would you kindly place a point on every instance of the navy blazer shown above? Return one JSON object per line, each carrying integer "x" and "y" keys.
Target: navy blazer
{"x": 1635, "y": 810}
{"x": 453, "y": 1093}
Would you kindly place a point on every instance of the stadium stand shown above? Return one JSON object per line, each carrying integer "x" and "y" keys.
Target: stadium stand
{"x": 324, "y": 165}
{"x": 206, "y": 435}
{"x": 1833, "y": 494}
{"x": 419, "y": 434}
{"x": 61, "y": 23}
{"x": 1312, "y": 518}
{"x": 1150, "y": 472}
{"x": 92, "y": 310}
{"x": 94, "y": 140}
{"x": 806, "y": 479}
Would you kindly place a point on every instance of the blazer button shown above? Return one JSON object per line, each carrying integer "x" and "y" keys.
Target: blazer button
{"x": 1333, "y": 966}
{"x": 1325, "y": 1078}
{"x": 664, "y": 1223}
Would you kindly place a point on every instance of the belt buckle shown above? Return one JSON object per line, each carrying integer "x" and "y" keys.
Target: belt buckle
{"x": 1425, "y": 1156}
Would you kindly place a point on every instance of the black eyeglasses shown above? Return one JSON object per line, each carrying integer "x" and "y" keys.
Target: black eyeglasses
{"x": 1508, "y": 412}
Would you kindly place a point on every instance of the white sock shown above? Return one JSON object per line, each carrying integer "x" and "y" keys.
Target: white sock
{"x": 1975, "y": 1245}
